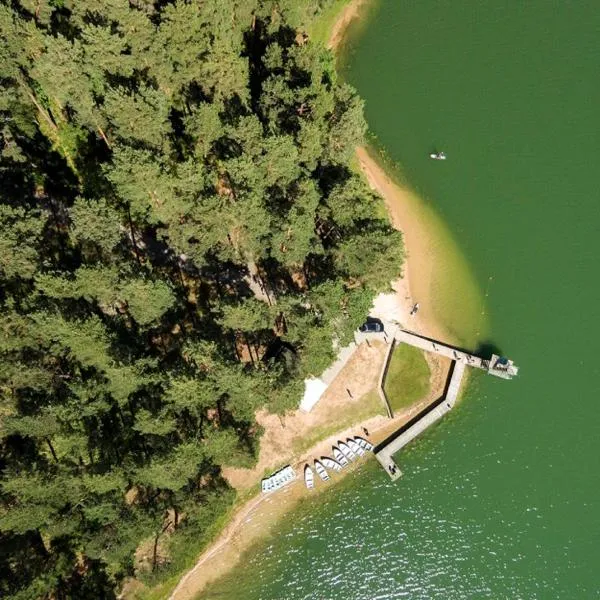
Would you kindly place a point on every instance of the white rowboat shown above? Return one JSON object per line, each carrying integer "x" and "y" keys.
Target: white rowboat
{"x": 346, "y": 451}
{"x": 321, "y": 472}
{"x": 342, "y": 460}
{"x": 366, "y": 445}
{"x": 309, "y": 477}
{"x": 331, "y": 464}
{"x": 356, "y": 448}
{"x": 278, "y": 480}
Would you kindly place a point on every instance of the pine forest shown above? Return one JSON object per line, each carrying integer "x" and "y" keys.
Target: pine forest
{"x": 185, "y": 237}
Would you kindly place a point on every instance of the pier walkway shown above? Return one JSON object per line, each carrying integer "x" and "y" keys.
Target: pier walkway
{"x": 498, "y": 366}
{"x": 403, "y": 336}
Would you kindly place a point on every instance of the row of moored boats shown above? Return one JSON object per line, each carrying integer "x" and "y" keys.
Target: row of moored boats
{"x": 278, "y": 480}
{"x": 343, "y": 454}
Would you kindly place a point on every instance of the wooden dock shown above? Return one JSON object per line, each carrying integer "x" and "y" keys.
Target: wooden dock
{"x": 498, "y": 366}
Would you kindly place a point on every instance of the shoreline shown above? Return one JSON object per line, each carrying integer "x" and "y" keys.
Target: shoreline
{"x": 420, "y": 262}
{"x": 350, "y": 13}
{"x": 258, "y": 517}
{"x": 436, "y": 272}
{"x": 241, "y": 532}
{"x": 416, "y": 284}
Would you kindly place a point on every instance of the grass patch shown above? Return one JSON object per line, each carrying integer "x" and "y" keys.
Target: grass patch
{"x": 407, "y": 378}
{"x": 368, "y": 406}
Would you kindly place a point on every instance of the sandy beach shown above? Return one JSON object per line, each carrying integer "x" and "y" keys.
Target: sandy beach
{"x": 422, "y": 261}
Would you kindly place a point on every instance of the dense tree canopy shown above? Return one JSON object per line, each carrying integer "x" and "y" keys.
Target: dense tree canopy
{"x": 177, "y": 204}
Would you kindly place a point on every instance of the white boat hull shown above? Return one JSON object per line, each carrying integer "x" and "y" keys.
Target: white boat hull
{"x": 329, "y": 463}
{"x": 278, "y": 480}
{"x": 309, "y": 477}
{"x": 356, "y": 448}
{"x": 342, "y": 460}
{"x": 321, "y": 471}
{"x": 346, "y": 451}
{"x": 366, "y": 445}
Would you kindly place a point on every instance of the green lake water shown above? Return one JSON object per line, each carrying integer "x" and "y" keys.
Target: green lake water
{"x": 502, "y": 499}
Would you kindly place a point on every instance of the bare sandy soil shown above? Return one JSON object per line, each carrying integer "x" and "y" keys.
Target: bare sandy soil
{"x": 351, "y": 11}
{"x": 283, "y": 435}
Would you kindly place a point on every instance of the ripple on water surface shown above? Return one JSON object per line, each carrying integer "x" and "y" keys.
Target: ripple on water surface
{"x": 447, "y": 530}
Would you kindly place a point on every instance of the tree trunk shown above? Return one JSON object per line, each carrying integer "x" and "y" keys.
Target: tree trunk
{"x": 155, "y": 551}
{"x": 249, "y": 349}
{"x": 284, "y": 323}
{"x": 42, "y": 112}
{"x": 51, "y": 449}
{"x": 265, "y": 289}
{"x": 103, "y": 136}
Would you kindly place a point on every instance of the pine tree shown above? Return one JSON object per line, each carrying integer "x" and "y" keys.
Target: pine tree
{"x": 21, "y": 231}
{"x": 140, "y": 117}
{"x": 97, "y": 226}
